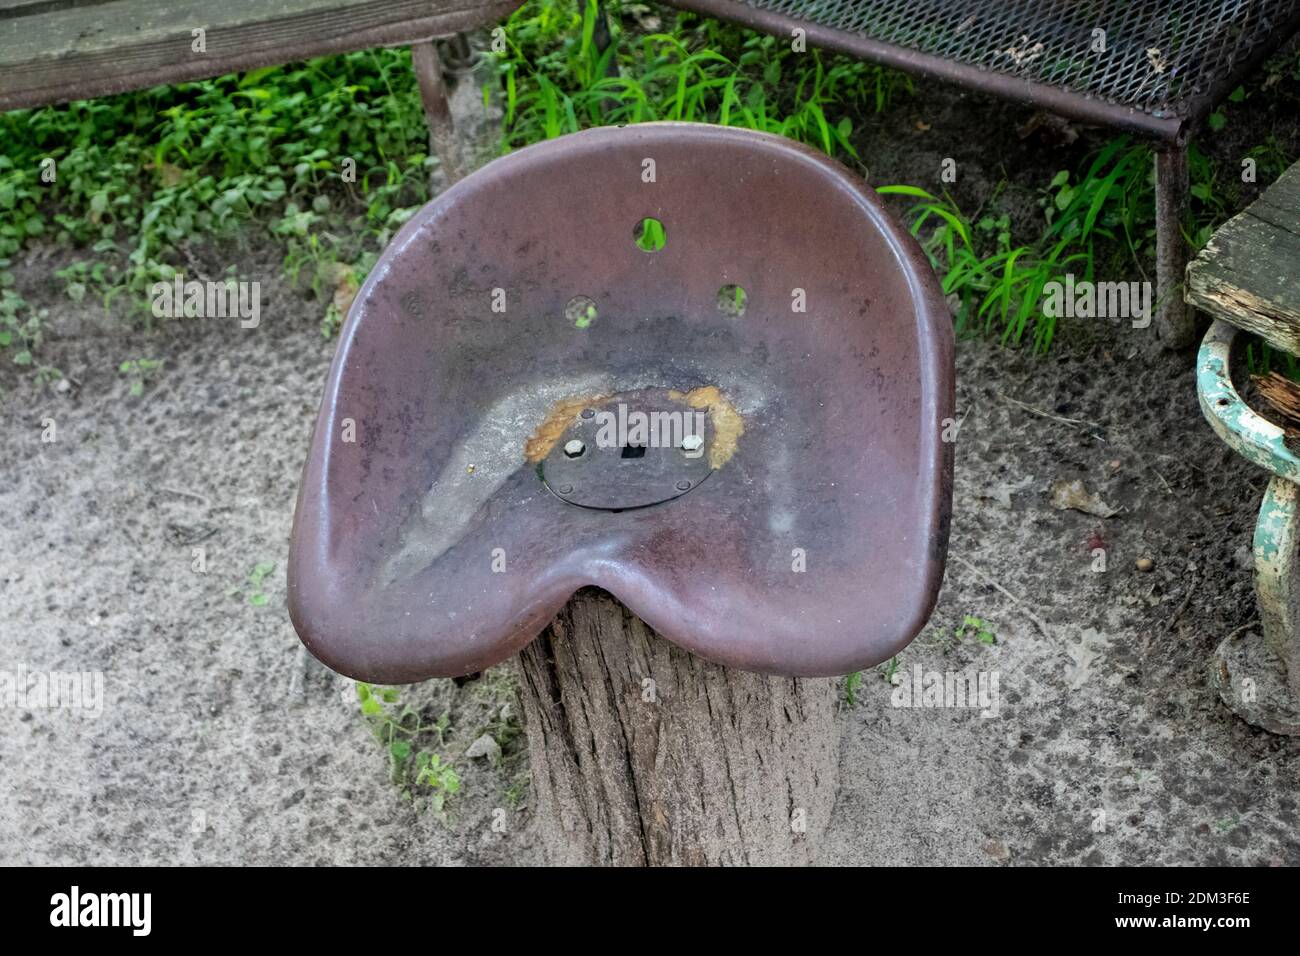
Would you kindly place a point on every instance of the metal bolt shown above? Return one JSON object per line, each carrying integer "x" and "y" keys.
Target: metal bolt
{"x": 683, "y": 485}
{"x": 588, "y": 412}
{"x": 573, "y": 448}
{"x": 692, "y": 443}
{"x": 566, "y": 489}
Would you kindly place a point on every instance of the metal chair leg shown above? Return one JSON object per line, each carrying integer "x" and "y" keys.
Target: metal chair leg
{"x": 437, "y": 110}
{"x": 1175, "y": 324}
{"x": 1257, "y": 673}
{"x": 603, "y": 38}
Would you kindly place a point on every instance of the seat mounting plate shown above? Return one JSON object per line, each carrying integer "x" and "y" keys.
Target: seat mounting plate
{"x": 631, "y": 451}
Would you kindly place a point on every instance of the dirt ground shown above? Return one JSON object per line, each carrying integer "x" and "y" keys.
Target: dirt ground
{"x": 222, "y": 741}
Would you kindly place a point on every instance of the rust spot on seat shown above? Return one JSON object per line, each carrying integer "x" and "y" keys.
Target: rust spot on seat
{"x": 562, "y": 414}
{"x": 728, "y": 425}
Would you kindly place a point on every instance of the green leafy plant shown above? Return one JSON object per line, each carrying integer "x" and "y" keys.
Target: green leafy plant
{"x": 421, "y": 773}
{"x": 135, "y": 179}
{"x": 439, "y": 776}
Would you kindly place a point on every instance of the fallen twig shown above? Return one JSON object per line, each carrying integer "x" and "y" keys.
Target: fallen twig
{"x": 1093, "y": 427}
{"x": 1038, "y": 621}
{"x": 185, "y": 494}
{"x": 1241, "y": 630}
{"x": 1187, "y": 599}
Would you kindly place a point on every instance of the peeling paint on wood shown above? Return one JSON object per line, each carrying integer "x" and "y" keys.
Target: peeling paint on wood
{"x": 1247, "y": 274}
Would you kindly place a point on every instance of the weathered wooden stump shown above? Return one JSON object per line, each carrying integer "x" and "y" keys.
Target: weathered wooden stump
{"x": 644, "y": 754}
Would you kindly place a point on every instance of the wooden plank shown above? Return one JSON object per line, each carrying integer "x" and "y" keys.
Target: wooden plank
{"x": 62, "y": 52}
{"x": 1249, "y": 273}
{"x": 11, "y": 7}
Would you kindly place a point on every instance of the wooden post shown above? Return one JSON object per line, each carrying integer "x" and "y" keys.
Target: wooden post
{"x": 643, "y": 754}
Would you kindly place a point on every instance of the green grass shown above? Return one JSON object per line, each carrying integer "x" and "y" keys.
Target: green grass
{"x": 1098, "y": 223}
{"x": 140, "y": 178}
{"x": 555, "y": 80}
{"x": 137, "y": 178}
{"x": 1107, "y": 209}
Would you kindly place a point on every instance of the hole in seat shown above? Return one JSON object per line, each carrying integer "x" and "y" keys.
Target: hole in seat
{"x": 581, "y": 311}
{"x": 633, "y": 451}
{"x": 732, "y": 300}
{"x": 648, "y": 234}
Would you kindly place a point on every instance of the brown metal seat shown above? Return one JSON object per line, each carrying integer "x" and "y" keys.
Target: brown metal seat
{"x": 458, "y": 489}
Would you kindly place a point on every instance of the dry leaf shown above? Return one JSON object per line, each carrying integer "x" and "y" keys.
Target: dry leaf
{"x": 345, "y": 288}
{"x": 1071, "y": 495}
{"x": 1025, "y": 53}
{"x": 170, "y": 175}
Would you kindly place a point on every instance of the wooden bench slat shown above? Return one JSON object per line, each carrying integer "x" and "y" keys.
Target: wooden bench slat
{"x": 1248, "y": 274}
{"x": 74, "y": 52}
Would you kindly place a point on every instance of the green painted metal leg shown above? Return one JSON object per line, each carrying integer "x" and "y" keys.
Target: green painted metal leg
{"x": 1276, "y": 539}
{"x": 1258, "y": 673}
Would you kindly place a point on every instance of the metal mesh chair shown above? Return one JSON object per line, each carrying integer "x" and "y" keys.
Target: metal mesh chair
{"x": 1154, "y": 67}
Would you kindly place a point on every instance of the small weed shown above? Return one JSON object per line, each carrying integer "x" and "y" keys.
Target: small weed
{"x": 517, "y": 791}
{"x": 46, "y": 374}
{"x": 422, "y": 774}
{"x": 439, "y": 776}
{"x": 977, "y": 628}
{"x": 257, "y": 597}
{"x": 969, "y": 628}
{"x": 1262, "y": 358}
{"x": 889, "y": 669}
{"x": 138, "y": 373}
{"x": 850, "y": 687}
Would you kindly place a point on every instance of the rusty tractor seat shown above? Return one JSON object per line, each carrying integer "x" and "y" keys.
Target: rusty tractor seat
{"x": 478, "y": 455}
